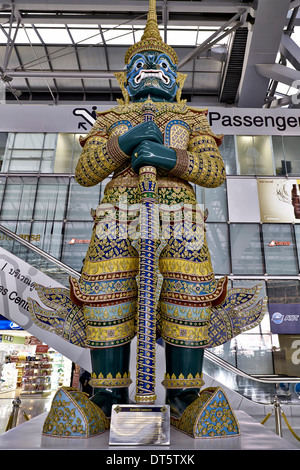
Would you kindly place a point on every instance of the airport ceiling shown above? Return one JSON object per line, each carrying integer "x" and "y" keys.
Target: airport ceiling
{"x": 235, "y": 53}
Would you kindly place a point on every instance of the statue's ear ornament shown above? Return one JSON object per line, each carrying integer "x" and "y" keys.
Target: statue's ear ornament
{"x": 180, "y": 82}
{"x": 122, "y": 80}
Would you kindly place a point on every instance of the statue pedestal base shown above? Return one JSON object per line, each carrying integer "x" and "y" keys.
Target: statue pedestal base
{"x": 253, "y": 436}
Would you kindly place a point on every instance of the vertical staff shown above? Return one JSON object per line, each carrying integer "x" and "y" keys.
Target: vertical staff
{"x": 146, "y": 321}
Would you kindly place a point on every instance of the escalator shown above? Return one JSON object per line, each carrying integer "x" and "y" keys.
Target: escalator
{"x": 22, "y": 267}
{"x": 21, "y": 260}
{"x": 260, "y": 389}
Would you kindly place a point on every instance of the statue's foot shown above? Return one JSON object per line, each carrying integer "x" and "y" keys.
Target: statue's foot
{"x": 105, "y": 399}
{"x": 208, "y": 415}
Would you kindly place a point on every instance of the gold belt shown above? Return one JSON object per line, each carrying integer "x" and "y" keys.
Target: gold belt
{"x": 163, "y": 182}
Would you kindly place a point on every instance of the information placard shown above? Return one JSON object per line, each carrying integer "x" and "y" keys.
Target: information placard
{"x": 140, "y": 425}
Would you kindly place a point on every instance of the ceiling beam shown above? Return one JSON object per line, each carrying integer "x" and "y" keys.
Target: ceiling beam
{"x": 205, "y": 6}
{"x": 61, "y": 74}
{"x": 279, "y": 73}
{"x": 290, "y": 50}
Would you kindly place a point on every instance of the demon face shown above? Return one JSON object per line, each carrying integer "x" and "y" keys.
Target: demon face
{"x": 151, "y": 74}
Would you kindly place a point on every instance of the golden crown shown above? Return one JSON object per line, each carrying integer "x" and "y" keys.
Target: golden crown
{"x": 151, "y": 39}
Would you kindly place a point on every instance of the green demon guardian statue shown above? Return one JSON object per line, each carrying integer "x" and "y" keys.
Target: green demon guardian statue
{"x": 156, "y": 147}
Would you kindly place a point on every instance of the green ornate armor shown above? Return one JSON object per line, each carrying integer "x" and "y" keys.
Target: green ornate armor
{"x": 156, "y": 148}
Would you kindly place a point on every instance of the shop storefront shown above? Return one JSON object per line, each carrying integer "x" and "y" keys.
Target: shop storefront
{"x": 29, "y": 366}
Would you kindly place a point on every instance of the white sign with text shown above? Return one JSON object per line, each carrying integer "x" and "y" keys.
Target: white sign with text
{"x": 17, "y": 283}
{"x": 80, "y": 119}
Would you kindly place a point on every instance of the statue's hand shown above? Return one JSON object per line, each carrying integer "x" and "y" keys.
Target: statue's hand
{"x": 144, "y": 131}
{"x": 154, "y": 154}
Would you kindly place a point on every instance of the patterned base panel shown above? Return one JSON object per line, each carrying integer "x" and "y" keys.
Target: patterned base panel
{"x": 73, "y": 415}
{"x": 209, "y": 416}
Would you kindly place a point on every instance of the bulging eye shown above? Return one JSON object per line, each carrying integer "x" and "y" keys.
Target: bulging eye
{"x": 139, "y": 65}
{"x": 164, "y": 65}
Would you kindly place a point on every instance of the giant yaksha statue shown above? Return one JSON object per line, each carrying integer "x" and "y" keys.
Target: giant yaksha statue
{"x": 161, "y": 284}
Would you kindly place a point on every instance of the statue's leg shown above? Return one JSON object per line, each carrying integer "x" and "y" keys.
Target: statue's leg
{"x": 111, "y": 376}
{"x": 198, "y": 413}
{"x": 183, "y": 378}
{"x": 189, "y": 291}
{"x": 108, "y": 292}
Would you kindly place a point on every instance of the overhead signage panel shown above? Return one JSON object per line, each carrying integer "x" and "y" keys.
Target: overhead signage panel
{"x": 80, "y": 119}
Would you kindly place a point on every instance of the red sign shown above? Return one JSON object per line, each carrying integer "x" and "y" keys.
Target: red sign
{"x": 274, "y": 243}
{"x": 41, "y": 348}
{"x": 76, "y": 240}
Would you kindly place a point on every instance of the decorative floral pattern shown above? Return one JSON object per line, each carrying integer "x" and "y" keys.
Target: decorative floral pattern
{"x": 73, "y": 415}
{"x": 208, "y": 416}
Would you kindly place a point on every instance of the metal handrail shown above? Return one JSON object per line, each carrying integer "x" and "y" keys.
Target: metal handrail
{"x": 262, "y": 379}
{"x": 40, "y": 252}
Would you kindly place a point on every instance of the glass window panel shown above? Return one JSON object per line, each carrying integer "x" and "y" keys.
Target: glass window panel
{"x": 86, "y": 35}
{"x": 51, "y": 198}
{"x": 2, "y": 187}
{"x": 75, "y": 245}
{"x": 180, "y": 38}
{"x": 246, "y": 250}
{"x": 25, "y": 152}
{"x": 24, "y": 165}
{"x": 283, "y": 291}
{"x": 254, "y": 353}
{"x": 48, "y": 237}
{"x": 28, "y": 141}
{"x": 23, "y": 230}
{"x": 5, "y": 242}
{"x": 46, "y": 165}
{"x": 82, "y": 200}
{"x": 226, "y": 351}
{"x": 3, "y": 141}
{"x": 281, "y": 167}
{"x": 214, "y": 200}
{"x": 68, "y": 151}
{"x": 255, "y": 155}
{"x": 7, "y": 153}
{"x": 19, "y": 198}
{"x": 55, "y": 35}
{"x": 118, "y": 36}
{"x": 291, "y": 150}
{"x": 200, "y": 195}
{"x": 228, "y": 153}
{"x": 280, "y": 249}
{"x": 218, "y": 244}
{"x": 50, "y": 141}
{"x": 216, "y": 204}
{"x": 245, "y": 154}
{"x": 23, "y": 36}
{"x": 263, "y": 155}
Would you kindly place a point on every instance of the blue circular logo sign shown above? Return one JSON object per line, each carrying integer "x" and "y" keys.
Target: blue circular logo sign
{"x": 14, "y": 326}
{"x": 277, "y": 318}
